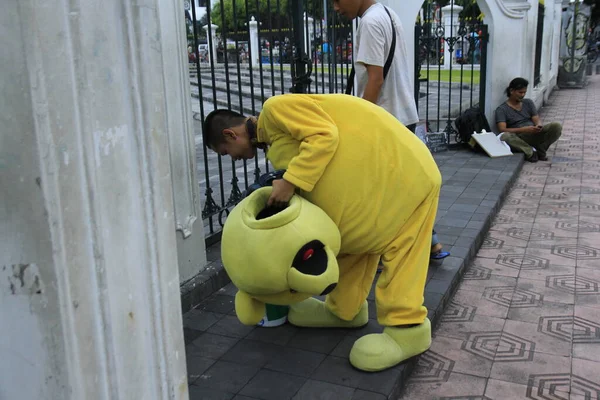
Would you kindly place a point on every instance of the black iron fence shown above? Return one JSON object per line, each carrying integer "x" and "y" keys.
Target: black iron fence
{"x": 539, "y": 41}
{"x": 450, "y": 66}
{"x": 242, "y": 52}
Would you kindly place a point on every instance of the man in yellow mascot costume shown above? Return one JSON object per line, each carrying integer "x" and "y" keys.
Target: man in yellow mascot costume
{"x": 373, "y": 179}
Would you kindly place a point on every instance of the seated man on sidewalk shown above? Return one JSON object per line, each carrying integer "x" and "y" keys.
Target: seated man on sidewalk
{"x": 520, "y": 124}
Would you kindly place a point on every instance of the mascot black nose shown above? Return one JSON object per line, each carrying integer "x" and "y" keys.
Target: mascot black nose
{"x": 329, "y": 289}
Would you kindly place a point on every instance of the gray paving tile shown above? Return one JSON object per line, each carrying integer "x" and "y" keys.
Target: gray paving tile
{"x": 360, "y": 394}
{"x": 198, "y": 393}
{"x": 229, "y": 325}
{"x": 318, "y": 390}
{"x": 197, "y": 365}
{"x": 280, "y": 335}
{"x": 445, "y": 270}
{"x": 477, "y": 225}
{"x": 339, "y": 371}
{"x": 226, "y": 376}
{"x": 372, "y": 327}
{"x": 447, "y": 240}
{"x": 479, "y": 217}
{"x": 200, "y": 320}
{"x": 484, "y": 209}
{"x": 211, "y": 346}
{"x": 444, "y": 205}
{"x": 272, "y": 385}
{"x": 432, "y": 299}
{"x": 251, "y": 352}
{"x": 471, "y": 200}
{"x": 219, "y": 303}
{"x": 189, "y": 335}
{"x": 459, "y": 251}
{"x": 463, "y": 207}
{"x": 372, "y": 309}
{"x": 343, "y": 348}
{"x": 295, "y": 361}
{"x": 319, "y": 340}
{"x": 440, "y": 286}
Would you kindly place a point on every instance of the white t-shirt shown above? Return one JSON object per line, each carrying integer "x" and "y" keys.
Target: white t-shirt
{"x": 373, "y": 42}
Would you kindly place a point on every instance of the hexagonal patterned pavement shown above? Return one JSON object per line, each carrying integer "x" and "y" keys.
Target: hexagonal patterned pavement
{"x": 522, "y": 261}
{"x": 572, "y": 284}
{"x": 458, "y": 313}
{"x": 575, "y": 251}
{"x": 490, "y": 242}
{"x": 578, "y": 226}
{"x": 433, "y": 367}
{"x": 529, "y": 234}
{"x": 510, "y": 296}
{"x": 589, "y": 206}
{"x": 570, "y": 328}
{"x": 525, "y": 212}
{"x": 558, "y": 386}
{"x": 477, "y": 273}
{"x": 499, "y": 346}
{"x": 568, "y": 205}
{"x": 503, "y": 219}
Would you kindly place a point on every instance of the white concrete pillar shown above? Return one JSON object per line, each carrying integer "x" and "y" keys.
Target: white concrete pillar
{"x": 89, "y": 284}
{"x": 450, "y": 21}
{"x": 254, "y": 45}
{"x": 557, "y": 5}
{"x": 211, "y": 39}
{"x": 308, "y": 35}
{"x": 506, "y": 25}
{"x": 546, "y": 61}
{"x": 189, "y": 227}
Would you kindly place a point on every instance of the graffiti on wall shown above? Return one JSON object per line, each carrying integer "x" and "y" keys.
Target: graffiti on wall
{"x": 573, "y": 45}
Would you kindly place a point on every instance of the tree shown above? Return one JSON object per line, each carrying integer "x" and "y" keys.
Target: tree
{"x": 271, "y": 14}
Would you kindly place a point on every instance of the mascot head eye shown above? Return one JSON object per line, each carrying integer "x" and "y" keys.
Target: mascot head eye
{"x": 308, "y": 254}
{"x": 311, "y": 259}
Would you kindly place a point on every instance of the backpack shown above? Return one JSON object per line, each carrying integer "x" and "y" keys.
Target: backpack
{"x": 472, "y": 120}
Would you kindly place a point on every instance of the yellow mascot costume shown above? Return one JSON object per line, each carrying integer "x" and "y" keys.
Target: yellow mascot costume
{"x": 368, "y": 190}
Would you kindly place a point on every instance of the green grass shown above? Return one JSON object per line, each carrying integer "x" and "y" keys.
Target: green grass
{"x": 444, "y": 75}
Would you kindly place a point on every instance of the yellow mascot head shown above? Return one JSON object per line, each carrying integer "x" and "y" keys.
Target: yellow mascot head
{"x": 278, "y": 256}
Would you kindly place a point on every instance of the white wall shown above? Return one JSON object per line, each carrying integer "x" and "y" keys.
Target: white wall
{"x": 556, "y": 32}
{"x": 89, "y": 284}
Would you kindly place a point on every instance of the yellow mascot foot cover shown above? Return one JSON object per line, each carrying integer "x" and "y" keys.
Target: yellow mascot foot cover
{"x": 380, "y": 351}
{"x": 313, "y": 313}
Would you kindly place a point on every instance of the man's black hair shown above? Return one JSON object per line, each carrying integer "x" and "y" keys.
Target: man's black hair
{"x": 216, "y": 122}
{"x": 516, "y": 84}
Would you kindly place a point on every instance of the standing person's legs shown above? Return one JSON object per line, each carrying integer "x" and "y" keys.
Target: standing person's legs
{"x": 399, "y": 295}
{"x": 357, "y": 272}
{"x": 400, "y": 288}
{"x": 436, "y": 246}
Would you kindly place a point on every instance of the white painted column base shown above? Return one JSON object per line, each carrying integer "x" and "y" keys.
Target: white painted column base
{"x": 89, "y": 283}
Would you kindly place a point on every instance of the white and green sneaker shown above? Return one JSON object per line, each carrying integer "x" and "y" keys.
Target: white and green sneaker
{"x": 275, "y": 316}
